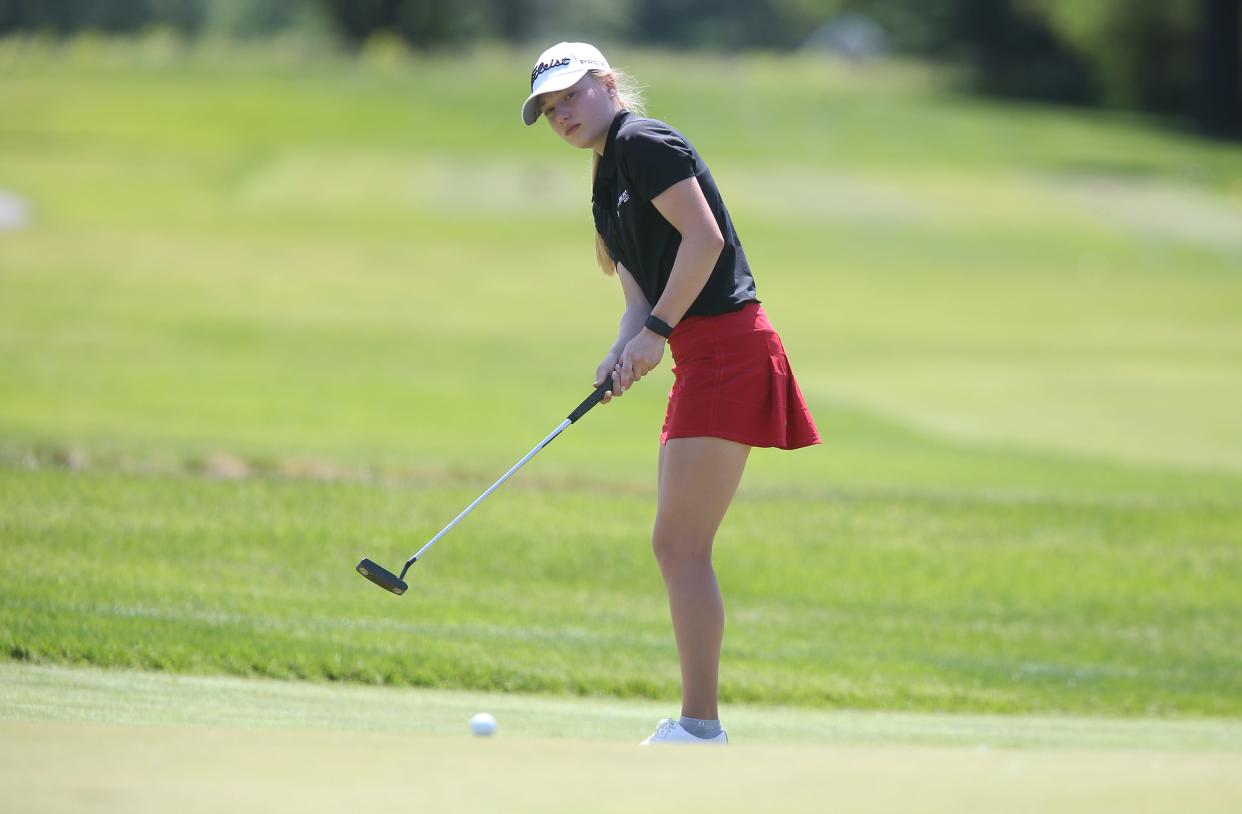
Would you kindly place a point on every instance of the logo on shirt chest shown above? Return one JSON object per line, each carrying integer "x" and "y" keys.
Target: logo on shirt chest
{"x": 625, "y": 196}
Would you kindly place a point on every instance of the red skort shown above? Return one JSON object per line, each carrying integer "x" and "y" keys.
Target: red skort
{"x": 733, "y": 381}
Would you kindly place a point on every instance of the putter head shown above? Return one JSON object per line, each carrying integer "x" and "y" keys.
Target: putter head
{"x": 382, "y": 577}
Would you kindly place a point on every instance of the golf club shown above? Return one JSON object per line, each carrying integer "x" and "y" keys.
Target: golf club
{"x": 392, "y": 582}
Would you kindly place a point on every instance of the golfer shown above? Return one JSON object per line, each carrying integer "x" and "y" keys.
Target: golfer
{"x": 663, "y": 230}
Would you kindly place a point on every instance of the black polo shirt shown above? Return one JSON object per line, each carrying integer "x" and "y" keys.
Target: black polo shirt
{"x": 642, "y": 158}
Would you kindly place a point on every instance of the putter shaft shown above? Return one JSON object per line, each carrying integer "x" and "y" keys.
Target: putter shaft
{"x": 482, "y": 497}
{"x": 385, "y": 579}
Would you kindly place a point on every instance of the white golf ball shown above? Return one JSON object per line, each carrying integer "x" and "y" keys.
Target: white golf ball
{"x": 483, "y": 724}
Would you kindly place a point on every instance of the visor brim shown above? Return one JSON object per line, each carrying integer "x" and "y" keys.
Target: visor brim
{"x": 530, "y": 108}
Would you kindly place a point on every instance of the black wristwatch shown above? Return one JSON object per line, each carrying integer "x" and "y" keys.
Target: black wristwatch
{"x": 659, "y": 326}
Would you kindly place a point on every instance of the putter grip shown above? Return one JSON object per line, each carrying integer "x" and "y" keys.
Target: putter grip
{"x": 591, "y": 400}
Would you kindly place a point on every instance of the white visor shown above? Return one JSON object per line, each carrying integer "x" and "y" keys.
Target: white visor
{"x": 557, "y": 68}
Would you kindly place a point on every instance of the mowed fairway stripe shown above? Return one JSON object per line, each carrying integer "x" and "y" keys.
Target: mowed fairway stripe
{"x": 70, "y": 767}
{"x": 91, "y": 695}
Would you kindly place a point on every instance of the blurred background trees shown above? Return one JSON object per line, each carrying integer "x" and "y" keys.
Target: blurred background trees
{"x": 1177, "y": 58}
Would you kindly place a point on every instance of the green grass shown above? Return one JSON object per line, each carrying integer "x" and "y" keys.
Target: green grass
{"x": 73, "y": 695}
{"x": 96, "y": 768}
{"x": 841, "y": 599}
{"x": 361, "y": 292}
{"x": 93, "y": 740}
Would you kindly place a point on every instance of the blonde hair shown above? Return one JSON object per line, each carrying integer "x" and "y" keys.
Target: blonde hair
{"x": 630, "y": 96}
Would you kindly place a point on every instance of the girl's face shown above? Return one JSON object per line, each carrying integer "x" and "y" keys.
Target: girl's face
{"x": 582, "y": 113}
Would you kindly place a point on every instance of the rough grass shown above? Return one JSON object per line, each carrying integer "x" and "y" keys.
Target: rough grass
{"x": 855, "y": 599}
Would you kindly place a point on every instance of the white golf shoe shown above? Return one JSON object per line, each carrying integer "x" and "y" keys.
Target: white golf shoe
{"x": 671, "y": 731}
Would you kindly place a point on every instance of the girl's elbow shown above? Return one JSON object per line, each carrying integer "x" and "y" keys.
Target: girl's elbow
{"x": 712, "y": 241}
{"x": 705, "y": 242}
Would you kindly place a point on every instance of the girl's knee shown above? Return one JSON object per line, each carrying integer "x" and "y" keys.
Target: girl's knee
{"x": 674, "y": 551}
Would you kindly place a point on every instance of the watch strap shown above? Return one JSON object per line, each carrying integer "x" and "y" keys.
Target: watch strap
{"x": 659, "y": 326}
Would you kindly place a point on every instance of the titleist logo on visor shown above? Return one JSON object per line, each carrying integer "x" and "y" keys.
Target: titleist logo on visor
{"x": 559, "y": 63}
{"x": 547, "y": 66}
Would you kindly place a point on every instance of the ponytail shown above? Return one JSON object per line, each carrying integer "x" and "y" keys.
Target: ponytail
{"x": 602, "y": 257}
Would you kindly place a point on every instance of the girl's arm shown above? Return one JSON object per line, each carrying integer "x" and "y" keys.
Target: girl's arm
{"x": 684, "y": 206}
{"x": 637, "y": 309}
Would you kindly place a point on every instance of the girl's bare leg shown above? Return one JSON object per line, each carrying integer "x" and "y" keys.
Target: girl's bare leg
{"x": 697, "y": 480}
